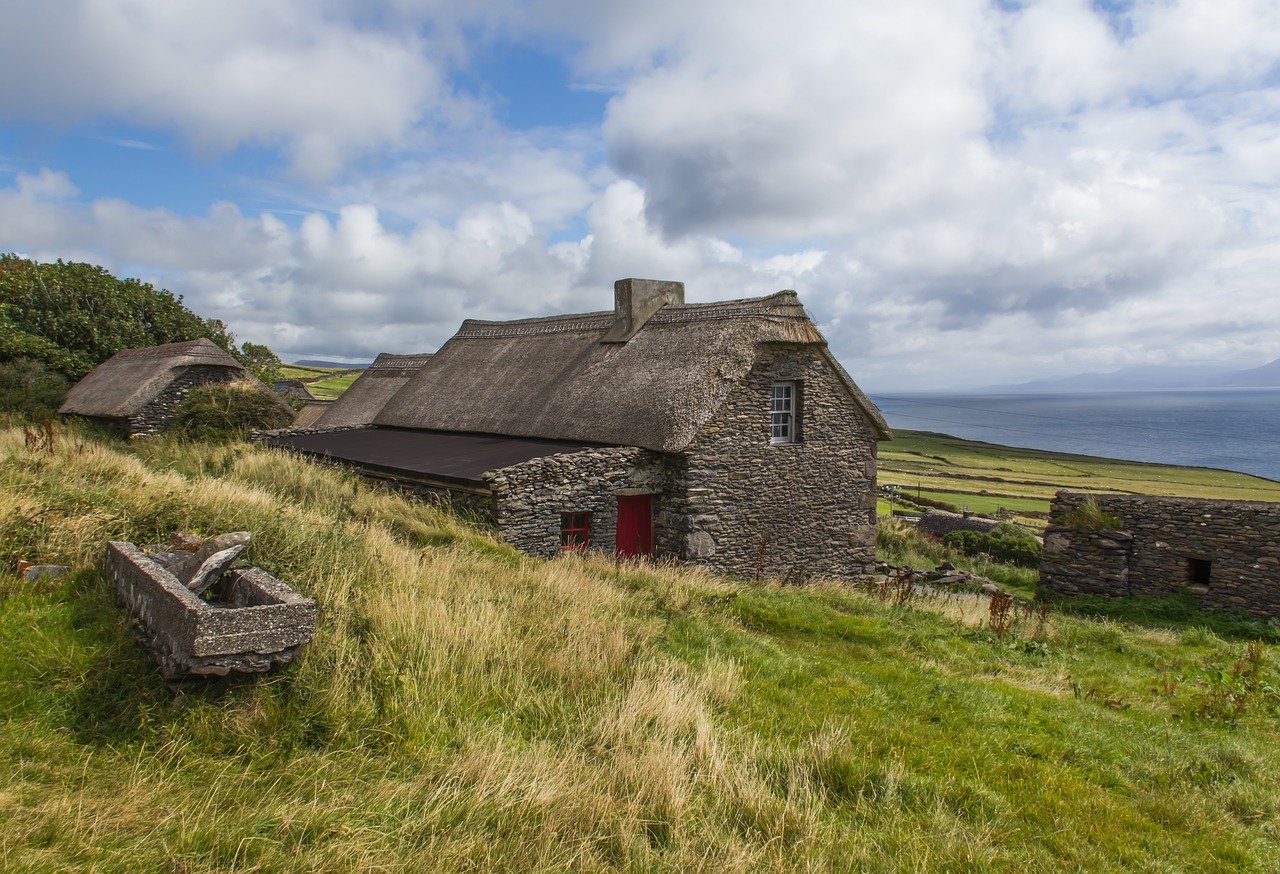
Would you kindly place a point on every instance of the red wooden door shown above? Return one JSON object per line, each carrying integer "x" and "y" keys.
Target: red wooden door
{"x": 635, "y": 525}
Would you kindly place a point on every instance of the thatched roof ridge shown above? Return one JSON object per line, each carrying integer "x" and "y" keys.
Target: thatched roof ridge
{"x": 132, "y": 378}
{"x": 551, "y": 377}
{"x": 370, "y": 392}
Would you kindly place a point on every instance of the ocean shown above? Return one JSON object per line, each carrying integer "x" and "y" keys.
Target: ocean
{"x": 1234, "y": 429}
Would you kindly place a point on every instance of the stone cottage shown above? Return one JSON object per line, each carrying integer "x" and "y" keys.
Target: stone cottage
{"x": 139, "y": 389}
{"x": 719, "y": 433}
{"x": 1221, "y": 554}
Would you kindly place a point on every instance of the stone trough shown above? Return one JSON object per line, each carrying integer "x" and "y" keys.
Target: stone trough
{"x": 252, "y": 623}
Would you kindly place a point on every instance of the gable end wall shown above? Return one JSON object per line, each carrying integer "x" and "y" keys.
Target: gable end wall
{"x": 795, "y": 511}
{"x": 156, "y": 415}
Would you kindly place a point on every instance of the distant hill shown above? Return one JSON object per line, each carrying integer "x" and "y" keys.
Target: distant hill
{"x": 1151, "y": 377}
{"x": 1266, "y": 375}
{"x": 336, "y": 365}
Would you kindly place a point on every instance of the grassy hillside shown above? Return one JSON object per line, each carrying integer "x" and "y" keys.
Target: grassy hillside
{"x": 463, "y": 707}
{"x": 985, "y": 477}
{"x": 324, "y": 383}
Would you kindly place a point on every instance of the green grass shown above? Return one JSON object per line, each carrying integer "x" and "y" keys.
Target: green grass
{"x": 1024, "y": 480}
{"x": 467, "y": 708}
{"x": 331, "y": 387}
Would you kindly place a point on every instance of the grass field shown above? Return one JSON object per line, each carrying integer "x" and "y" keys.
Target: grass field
{"x": 986, "y": 477}
{"x": 324, "y": 383}
{"x": 466, "y": 708}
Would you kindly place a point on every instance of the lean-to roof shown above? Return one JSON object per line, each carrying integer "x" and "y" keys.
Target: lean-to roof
{"x": 132, "y": 378}
{"x": 551, "y": 378}
{"x": 459, "y": 459}
{"x": 366, "y": 396}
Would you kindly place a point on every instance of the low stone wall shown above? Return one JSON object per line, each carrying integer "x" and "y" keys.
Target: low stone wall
{"x": 259, "y": 622}
{"x": 940, "y": 523}
{"x": 1224, "y": 554}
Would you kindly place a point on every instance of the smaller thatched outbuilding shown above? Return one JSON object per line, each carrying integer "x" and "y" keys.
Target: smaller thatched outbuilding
{"x": 369, "y": 394}
{"x": 139, "y": 389}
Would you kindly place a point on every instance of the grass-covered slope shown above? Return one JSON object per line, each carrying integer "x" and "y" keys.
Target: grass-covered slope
{"x": 986, "y": 477}
{"x": 463, "y": 707}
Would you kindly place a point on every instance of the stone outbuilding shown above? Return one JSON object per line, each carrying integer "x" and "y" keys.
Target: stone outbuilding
{"x": 724, "y": 434}
{"x": 139, "y": 389}
{"x": 1222, "y": 554}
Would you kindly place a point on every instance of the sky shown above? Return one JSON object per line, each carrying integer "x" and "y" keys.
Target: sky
{"x": 962, "y": 192}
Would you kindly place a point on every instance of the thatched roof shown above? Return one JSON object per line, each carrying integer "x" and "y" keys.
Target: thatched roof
{"x": 132, "y": 378}
{"x": 552, "y": 378}
{"x": 367, "y": 395}
{"x": 308, "y": 415}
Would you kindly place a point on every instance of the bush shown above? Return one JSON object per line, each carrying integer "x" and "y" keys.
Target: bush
{"x": 30, "y": 388}
{"x": 1019, "y": 549}
{"x": 227, "y": 410}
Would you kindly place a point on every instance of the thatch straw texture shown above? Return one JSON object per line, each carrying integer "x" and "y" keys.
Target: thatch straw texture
{"x": 126, "y": 382}
{"x": 367, "y": 395}
{"x": 552, "y": 378}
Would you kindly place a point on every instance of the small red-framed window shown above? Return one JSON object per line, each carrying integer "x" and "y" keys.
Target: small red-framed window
{"x": 575, "y": 530}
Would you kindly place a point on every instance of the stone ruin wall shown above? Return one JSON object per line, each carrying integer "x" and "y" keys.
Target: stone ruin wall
{"x": 155, "y": 416}
{"x": 1151, "y": 553}
{"x": 792, "y": 511}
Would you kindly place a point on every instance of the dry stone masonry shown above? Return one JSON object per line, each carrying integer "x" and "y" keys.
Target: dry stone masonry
{"x": 255, "y": 623}
{"x": 155, "y": 416}
{"x": 1224, "y": 554}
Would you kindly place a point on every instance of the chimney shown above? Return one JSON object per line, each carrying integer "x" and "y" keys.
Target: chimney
{"x": 634, "y": 303}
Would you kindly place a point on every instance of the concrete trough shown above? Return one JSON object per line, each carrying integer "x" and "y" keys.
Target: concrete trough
{"x": 253, "y": 623}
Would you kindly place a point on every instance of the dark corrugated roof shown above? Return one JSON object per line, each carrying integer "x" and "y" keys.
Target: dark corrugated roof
{"x": 439, "y": 455}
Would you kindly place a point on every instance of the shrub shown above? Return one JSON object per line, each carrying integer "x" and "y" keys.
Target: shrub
{"x": 1019, "y": 549}
{"x": 1088, "y": 516}
{"x": 227, "y": 410}
{"x": 30, "y": 388}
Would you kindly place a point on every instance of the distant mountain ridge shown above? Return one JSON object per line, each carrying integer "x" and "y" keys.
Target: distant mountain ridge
{"x": 316, "y": 362}
{"x": 1152, "y": 377}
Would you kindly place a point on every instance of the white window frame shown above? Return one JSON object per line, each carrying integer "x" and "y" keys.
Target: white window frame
{"x": 783, "y": 397}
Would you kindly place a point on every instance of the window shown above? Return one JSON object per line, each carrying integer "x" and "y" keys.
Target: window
{"x": 784, "y": 413}
{"x": 575, "y": 530}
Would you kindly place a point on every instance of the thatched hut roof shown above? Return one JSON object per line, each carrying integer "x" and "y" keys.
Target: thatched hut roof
{"x": 367, "y": 395}
{"x": 310, "y": 414}
{"x": 552, "y": 378}
{"x": 132, "y": 378}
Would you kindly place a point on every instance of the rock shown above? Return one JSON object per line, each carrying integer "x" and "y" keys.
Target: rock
{"x": 213, "y": 568}
{"x": 952, "y": 579}
{"x": 992, "y": 589}
{"x": 186, "y": 569}
{"x": 166, "y": 558}
{"x": 946, "y": 566}
{"x": 44, "y": 572}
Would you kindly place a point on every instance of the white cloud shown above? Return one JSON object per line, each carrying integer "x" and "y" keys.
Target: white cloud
{"x": 288, "y": 73}
{"x": 962, "y": 191}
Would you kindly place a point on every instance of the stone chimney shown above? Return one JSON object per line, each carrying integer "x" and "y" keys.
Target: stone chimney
{"x": 634, "y": 303}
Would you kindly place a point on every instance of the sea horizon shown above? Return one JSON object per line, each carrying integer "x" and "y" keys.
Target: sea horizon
{"x": 1236, "y": 429}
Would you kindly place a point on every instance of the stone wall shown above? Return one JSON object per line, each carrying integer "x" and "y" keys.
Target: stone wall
{"x": 1224, "y": 554}
{"x": 940, "y": 523}
{"x": 156, "y": 415}
{"x": 794, "y": 511}
{"x": 529, "y": 497}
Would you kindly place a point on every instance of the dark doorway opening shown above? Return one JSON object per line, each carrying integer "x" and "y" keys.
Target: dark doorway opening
{"x": 1198, "y": 571}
